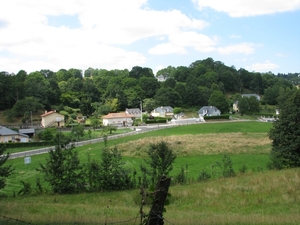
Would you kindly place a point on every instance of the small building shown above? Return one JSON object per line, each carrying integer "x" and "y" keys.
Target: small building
{"x": 209, "y": 111}
{"x": 235, "y": 106}
{"x": 134, "y": 113}
{"x": 52, "y": 119}
{"x": 28, "y": 131}
{"x": 117, "y": 119}
{"x": 163, "y": 111}
{"x": 162, "y": 78}
{"x": 8, "y": 135}
{"x": 251, "y": 95}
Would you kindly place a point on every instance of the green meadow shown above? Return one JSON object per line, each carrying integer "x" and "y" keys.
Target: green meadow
{"x": 255, "y": 196}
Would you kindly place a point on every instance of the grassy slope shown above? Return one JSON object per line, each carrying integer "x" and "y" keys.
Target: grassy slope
{"x": 260, "y": 198}
{"x": 268, "y": 197}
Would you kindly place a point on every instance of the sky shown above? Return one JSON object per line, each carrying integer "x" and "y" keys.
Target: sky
{"x": 260, "y": 36}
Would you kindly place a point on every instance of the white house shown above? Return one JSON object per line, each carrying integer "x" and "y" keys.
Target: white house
{"x": 235, "y": 105}
{"x": 209, "y": 111}
{"x": 163, "y": 111}
{"x": 134, "y": 113}
{"x": 52, "y": 119}
{"x": 251, "y": 95}
{"x": 162, "y": 78}
{"x": 117, "y": 119}
{"x": 8, "y": 135}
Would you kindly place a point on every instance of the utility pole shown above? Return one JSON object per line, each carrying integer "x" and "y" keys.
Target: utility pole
{"x": 141, "y": 106}
{"x": 31, "y": 118}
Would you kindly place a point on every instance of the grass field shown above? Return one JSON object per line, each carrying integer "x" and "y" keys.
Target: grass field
{"x": 258, "y": 196}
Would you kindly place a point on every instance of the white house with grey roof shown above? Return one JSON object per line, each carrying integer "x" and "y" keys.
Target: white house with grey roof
{"x": 8, "y": 135}
{"x": 209, "y": 111}
{"x": 235, "y": 105}
{"x": 251, "y": 95}
{"x": 163, "y": 111}
{"x": 134, "y": 113}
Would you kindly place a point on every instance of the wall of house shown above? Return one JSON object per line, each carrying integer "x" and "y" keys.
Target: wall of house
{"x": 118, "y": 122}
{"x": 53, "y": 119}
{"x": 13, "y": 138}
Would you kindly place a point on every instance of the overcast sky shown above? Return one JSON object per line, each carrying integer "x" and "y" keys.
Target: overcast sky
{"x": 255, "y": 35}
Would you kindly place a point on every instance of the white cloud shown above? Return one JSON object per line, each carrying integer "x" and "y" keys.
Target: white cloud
{"x": 262, "y": 67}
{"x": 167, "y": 48}
{"x": 178, "y": 42}
{"x": 280, "y": 55}
{"x": 234, "y": 36}
{"x": 244, "y": 48}
{"x": 241, "y": 8}
{"x": 107, "y": 28}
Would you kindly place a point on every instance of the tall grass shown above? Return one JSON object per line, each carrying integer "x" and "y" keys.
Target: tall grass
{"x": 270, "y": 197}
{"x": 257, "y": 196}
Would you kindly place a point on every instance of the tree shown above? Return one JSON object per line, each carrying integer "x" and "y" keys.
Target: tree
{"x": 177, "y": 110}
{"x": 26, "y": 105}
{"x": 63, "y": 169}
{"x": 113, "y": 174}
{"x": 253, "y": 104}
{"x": 167, "y": 97}
{"x": 5, "y": 171}
{"x": 285, "y": 135}
{"x": 78, "y": 131}
{"x": 219, "y": 100}
{"x": 161, "y": 160}
{"x": 95, "y": 123}
{"x": 243, "y": 105}
{"x": 110, "y": 128}
{"x": 149, "y": 104}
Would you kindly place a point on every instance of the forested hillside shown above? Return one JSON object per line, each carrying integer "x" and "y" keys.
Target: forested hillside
{"x": 99, "y": 91}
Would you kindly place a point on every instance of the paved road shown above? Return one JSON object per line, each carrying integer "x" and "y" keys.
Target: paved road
{"x": 138, "y": 130}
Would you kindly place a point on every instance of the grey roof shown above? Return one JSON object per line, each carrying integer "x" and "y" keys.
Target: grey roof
{"x": 167, "y": 109}
{"x": 26, "y": 131}
{"x": 134, "y": 111}
{"x": 209, "y": 110}
{"x": 4, "y": 131}
{"x": 250, "y": 95}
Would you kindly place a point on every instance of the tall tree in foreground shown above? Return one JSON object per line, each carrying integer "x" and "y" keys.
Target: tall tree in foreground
{"x": 63, "y": 170}
{"x": 161, "y": 160}
{"x": 285, "y": 135}
{"x": 5, "y": 171}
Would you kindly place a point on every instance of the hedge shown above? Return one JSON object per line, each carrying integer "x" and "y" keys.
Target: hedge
{"x": 27, "y": 144}
{"x": 221, "y": 117}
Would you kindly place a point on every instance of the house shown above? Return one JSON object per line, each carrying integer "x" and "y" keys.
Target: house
{"x": 162, "y": 78}
{"x": 209, "y": 111}
{"x": 52, "y": 119}
{"x": 134, "y": 113}
{"x": 117, "y": 119}
{"x": 163, "y": 111}
{"x": 251, "y": 95}
{"x": 28, "y": 131}
{"x": 8, "y": 135}
{"x": 235, "y": 105}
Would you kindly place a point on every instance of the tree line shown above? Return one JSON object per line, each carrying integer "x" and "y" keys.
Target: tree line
{"x": 99, "y": 91}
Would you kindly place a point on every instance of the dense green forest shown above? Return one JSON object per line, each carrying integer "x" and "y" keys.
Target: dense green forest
{"x": 99, "y": 91}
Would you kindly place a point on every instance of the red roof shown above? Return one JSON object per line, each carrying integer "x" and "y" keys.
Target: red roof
{"x": 49, "y": 113}
{"x": 116, "y": 115}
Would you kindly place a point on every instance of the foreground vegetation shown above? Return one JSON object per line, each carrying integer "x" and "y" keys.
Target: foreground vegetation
{"x": 254, "y": 196}
{"x": 269, "y": 197}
